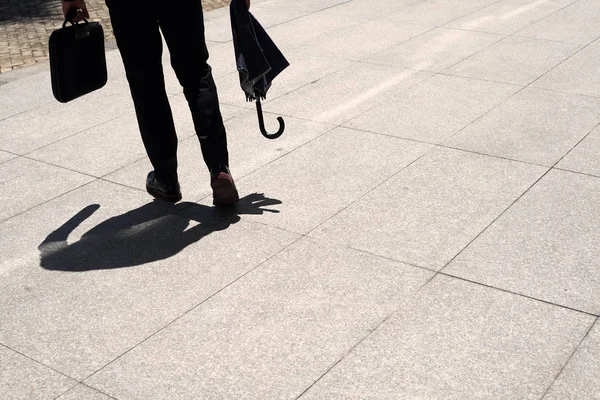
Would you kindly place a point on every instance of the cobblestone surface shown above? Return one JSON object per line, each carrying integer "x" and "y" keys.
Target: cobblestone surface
{"x": 26, "y": 25}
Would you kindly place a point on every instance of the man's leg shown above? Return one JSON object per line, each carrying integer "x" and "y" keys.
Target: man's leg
{"x": 136, "y": 29}
{"x": 182, "y": 25}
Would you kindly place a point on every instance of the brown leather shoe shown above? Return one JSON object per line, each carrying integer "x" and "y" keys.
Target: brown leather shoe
{"x": 224, "y": 191}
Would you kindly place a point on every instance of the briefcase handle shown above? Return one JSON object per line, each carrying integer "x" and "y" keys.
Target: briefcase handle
{"x": 69, "y": 18}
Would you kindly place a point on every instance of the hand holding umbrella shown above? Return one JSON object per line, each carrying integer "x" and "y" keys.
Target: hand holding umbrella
{"x": 258, "y": 59}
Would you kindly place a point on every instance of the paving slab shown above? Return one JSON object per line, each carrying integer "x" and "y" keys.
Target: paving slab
{"x": 458, "y": 340}
{"x": 325, "y": 176}
{"x": 105, "y": 306}
{"x": 342, "y": 95}
{"x": 27, "y": 183}
{"x": 218, "y": 29}
{"x": 576, "y": 75}
{"x": 435, "y": 50}
{"x": 24, "y": 95}
{"x": 536, "y": 126}
{"x": 515, "y": 60}
{"x": 295, "y": 33}
{"x": 357, "y": 44}
{"x": 82, "y": 392}
{"x": 577, "y": 23}
{"x": 581, "y": 377}
{"x": 430, "y": 211}
{"x": 308, "y": 6}
{"x": 438, "y": 12}
{"x": 98, "y": 201}
{"x": 24, "y": 379}
{"x": 42, "y": 126}
{"x": 510, "y": 16}
{"x": 248, "y": 151}
{"x": 271, "y": 334}
{"x": 435, "y": 109}
{"x": 368, "y": 8}
{"x": 543, "y": 245}
{"x": 585, "y": 157}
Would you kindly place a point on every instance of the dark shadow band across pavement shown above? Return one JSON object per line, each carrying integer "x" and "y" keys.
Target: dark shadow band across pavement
{"x": 156, "y": 231}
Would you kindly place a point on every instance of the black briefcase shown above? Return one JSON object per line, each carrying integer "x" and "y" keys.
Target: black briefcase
{"x": 77, "y": 60}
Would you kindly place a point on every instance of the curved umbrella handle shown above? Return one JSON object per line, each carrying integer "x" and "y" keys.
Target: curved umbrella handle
{"x": 261, "y": 123}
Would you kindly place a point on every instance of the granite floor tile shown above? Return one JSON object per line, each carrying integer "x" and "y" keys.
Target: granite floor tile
{"x": 579, "y": 74}
{"x": 41, "y": 126}
{"x": 536, "y": 126}
{"x": 26, "y": 183}
{"x": 24, "y": 379}
{"x": 320, "y": 179}
{"x": 77, "y": 212}
{"x": 293, "y": 34}
{"x": 438, "y": 12}
{"x": 24, "y": 94}
{"x": 515, "y": 60}
{"x": 219, "y": 29}
{"x": 585, "y": 157}
{"x": 510, "y": 16}
{"x": 357, "y": 44}
{"x": 342, "y": 95}
{"x": 368, "y": 8}
{"x": 435, "y": 50}
{"x": 307, "y": 6}
{"x": 581, "y": 377}
{"x": 76, "y": 315}
{"x": 458, "y": 340}
{"x": 435, "y": 109}
{"x": 544, "y": 245}
{"x": 578, "y": 23}
{"x": 271, "y": 334}
{"x": 430, "y": 211}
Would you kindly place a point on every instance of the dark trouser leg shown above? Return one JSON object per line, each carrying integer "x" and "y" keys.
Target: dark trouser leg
{"x": 137, "y": 32}
{"x": 182, "y": 25}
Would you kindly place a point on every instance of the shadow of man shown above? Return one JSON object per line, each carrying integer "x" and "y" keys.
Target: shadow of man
{"x": 153, "y": 232}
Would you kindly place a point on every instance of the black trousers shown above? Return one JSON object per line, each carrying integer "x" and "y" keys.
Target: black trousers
{"x": 137, "y": 25}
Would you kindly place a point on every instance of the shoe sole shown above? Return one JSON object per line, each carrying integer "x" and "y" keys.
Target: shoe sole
{"x": 224, "y": 192}
{"x": 170, "y": 198}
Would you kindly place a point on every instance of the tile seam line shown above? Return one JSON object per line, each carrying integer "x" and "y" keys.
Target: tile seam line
{"x": 574, "y": 147}
{"x": 42, "y": 364}
{"x": 576, "y": 172}
{"x": 371, "y": 331}
{"x": 89, "y": 387}
{"x": 208, "y": 298}
{"x": 570, "y": 358}
{"x": 507, "y": 291}
{"x": 444, "y": 146}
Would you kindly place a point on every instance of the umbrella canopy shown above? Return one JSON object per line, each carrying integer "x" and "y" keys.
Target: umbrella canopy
{"x": 258, "y": 59}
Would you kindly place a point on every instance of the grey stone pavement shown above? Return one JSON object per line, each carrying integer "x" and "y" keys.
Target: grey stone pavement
{"x": 427, "y": 227}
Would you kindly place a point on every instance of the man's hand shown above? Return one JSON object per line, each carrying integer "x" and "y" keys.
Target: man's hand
{"x": 77, "y": 8}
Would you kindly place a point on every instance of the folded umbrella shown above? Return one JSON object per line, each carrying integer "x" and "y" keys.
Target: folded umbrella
{"x": 258, "y": 59}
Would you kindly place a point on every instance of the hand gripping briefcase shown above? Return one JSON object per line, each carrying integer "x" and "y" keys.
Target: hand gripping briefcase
{"x": 77, "y": 60}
